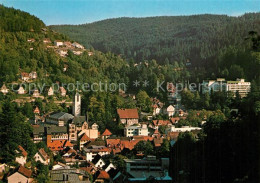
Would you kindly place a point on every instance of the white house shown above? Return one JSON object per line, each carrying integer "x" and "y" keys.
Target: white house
{"x": 93, "y": 151}
{"x": 21, "y": 90}
{"x": 50, "y": 91}
{"x": 59, "y": 166}
{"x": 182, "y": 129}
{"x": 33, "y": 75}
{"x": 77, "y": 45}
{"x": 98, "y": 162}
{"x": 4, "y": 89}
{"x": 23, "y": 175}
{"x": 63, "y": 91}
{"x": 42, "y": 156}
{"x": 3, "y": 167}
{"x": 156, "y": 110}
{"x": 22, "y": 156}
{"x": 170, "y": 110}
{"x": 58, "y": 43}
{"x": 108, "y": 167}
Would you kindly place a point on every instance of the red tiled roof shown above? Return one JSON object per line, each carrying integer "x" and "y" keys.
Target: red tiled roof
{"x": 25, "y": 74}
{"x": 175, "y": 119}
{"x": 68, "y": 144}
{"x": 173, "y": 135}
{"x": 156, "y": 131}
{"x": 84, "y": 138}
{"x": 24, "y": 153}
{"x": 103, "y": 175}
{"x": 113, "y": 142}
{"x": 116, "y": 151}
{"x": 24, "y": 171}
{"x": 56, "y": 145}
{"x": 161, "y": 122}
{"x": 128, "y": 113}
{"x": 155, "y": 106}
{"x": 106, "y": 133}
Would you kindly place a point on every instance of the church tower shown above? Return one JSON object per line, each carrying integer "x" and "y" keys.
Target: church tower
{"x": 77, "y": 105}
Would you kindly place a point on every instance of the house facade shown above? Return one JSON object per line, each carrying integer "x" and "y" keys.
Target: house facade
{"x": 140, "y": 130}
{"x": 128, "y": 116}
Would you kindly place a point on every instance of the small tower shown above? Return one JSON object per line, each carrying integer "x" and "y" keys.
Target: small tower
{"x": 77, "y": 105}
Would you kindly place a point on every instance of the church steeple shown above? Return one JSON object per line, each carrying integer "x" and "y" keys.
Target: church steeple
{"x": 77, "y": 105}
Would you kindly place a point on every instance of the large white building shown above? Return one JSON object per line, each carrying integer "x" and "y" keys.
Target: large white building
{"x": 172, "y": 128}
{"x": 240, "y": 86}
{"x": 131, "y": 131}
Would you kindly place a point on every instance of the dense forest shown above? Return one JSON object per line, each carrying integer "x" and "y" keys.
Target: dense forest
{"x": 196, "y": 39}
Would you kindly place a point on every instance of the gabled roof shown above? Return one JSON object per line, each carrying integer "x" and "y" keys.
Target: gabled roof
{"x": 43, "y": 154}
{"x": 96, "y": 159}
{"x": 3, "y": 87}
{"x": 161, "y": 122}
{"x": 62, "y": 90}
{"x": 170, "y": 108}
{"x": 106, "y": 133}
{"x": 61, "y": 116}
{"x": 68, "y": 144}
{"x": 85, "y": 138}
{"x": 156, "y": 132}
{"x": 24, "y": 171}
{"x": 56, "y": 129}
{"x": 101, "y": 174}
{"x": 128, "y": 113}
{"x": 24, "y": 153}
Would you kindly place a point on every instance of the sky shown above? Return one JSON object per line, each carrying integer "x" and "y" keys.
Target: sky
{"x": 87, "y": 11}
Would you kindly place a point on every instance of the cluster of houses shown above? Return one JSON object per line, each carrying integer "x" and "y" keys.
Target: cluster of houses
{"x": 79, "y": 142}
{"x": 21, "y": 90}
{"x": 62, "y": 47}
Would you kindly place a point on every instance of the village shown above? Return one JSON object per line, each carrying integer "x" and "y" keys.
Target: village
{"x": 84, "y": 149}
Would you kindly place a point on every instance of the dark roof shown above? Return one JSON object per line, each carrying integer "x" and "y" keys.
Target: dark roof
{"x": 96, "y": 159}
{"x": 38, "y": 129}
{"x": 72, "y": 175}
{"x": 97, "y": 143}
{"x": 62, "y": 116}
{"x": 113, "y": 172}
{"x": 78, "y": 120}
{"x": 56, "y": 129}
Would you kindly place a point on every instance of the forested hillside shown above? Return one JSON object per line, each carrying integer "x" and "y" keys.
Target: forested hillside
{"x": 197, "y": 39}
